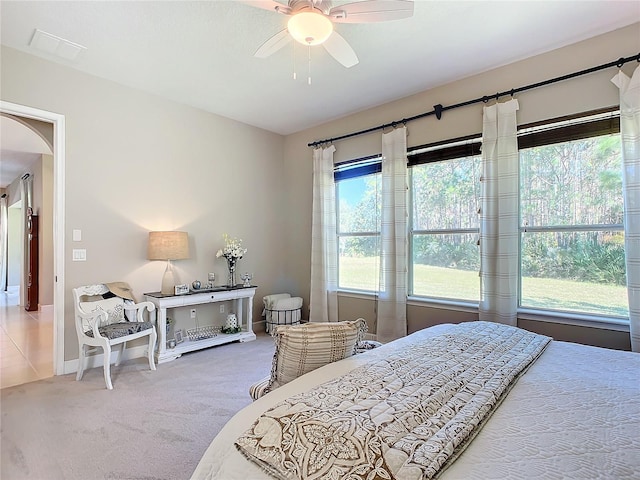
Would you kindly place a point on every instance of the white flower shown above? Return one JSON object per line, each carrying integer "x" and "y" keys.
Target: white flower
{"x": 232, "y": 248}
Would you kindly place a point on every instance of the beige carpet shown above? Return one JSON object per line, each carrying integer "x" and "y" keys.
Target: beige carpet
{"x": 153, "y": 425}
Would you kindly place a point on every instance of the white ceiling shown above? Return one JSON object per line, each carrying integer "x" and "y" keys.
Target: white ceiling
{"x": 200, "y": 53}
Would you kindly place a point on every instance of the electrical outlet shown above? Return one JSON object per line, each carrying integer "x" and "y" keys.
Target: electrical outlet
{"x": 193, "y": 313}
{"x": 222, "y": 308}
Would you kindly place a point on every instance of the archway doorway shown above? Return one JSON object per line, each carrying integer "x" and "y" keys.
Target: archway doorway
{"x": 56, "y": 229}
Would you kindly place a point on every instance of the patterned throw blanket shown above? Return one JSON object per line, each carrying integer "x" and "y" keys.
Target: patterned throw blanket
{"x": 402, "y": 417}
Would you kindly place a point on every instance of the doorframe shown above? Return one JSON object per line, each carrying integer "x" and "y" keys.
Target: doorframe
{"x": 58, "y": 122}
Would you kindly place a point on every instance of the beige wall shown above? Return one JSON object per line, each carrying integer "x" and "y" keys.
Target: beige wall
{"x": 14, "y": 247}
{"x": 45, "y": 211}
{"x": 135, "y": 163}
{"x": 15, "y": 241}
{"x": 577, "y": 95}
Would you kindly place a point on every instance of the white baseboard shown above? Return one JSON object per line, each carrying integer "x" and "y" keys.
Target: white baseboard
{"x": 46, "y": 309}
{"x": 71, "y": 366}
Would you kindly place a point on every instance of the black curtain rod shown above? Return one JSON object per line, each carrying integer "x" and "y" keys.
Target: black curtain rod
{"x": 438, "y": 109}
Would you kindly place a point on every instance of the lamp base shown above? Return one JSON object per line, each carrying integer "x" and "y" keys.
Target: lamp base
{"x": 168, "y": 280}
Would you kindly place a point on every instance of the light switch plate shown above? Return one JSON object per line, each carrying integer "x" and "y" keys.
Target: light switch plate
{"x": 79, "y": 255}
{"x": 77, "y": 235}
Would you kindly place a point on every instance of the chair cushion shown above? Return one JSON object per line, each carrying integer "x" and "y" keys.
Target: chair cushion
{"x": 303, "y": 348}
{"x": 366, "y": 345}
{"x": 121, "y": 329}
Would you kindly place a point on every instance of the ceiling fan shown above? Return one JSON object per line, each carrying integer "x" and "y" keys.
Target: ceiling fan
{"x": 311, "y": 23}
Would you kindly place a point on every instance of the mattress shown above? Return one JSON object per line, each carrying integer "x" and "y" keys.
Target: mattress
{"x": 574, "y": 414}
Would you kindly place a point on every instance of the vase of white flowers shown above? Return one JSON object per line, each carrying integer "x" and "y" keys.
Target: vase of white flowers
{"x": 232, "y": 252}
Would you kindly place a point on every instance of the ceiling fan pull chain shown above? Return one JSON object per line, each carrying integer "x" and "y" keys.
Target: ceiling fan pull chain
{"x": 309, "y": 79}
{"x": 293, "y": 59}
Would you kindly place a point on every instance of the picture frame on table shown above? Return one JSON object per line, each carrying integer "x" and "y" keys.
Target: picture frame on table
{"x": 178, "y": 335}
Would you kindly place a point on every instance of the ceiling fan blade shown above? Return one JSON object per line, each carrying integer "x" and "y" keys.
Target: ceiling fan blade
{"x": 339, "y": 49}
{"x": 369, "y": 11}
{"x": 269, "y": 5}
{"x": 274, "y": 44}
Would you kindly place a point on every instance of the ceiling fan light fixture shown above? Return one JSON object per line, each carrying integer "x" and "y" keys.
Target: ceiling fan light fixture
{"x": 310, "y": 28}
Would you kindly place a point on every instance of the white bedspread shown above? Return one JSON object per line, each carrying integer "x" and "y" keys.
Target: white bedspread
{"x": 574, "y": 415}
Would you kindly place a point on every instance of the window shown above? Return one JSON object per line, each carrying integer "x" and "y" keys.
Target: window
{"x": 444, "y": 222}
{"x": 445, "y": 258}
{"x": 571, "y": 209}
{"x": 358, "y": 225}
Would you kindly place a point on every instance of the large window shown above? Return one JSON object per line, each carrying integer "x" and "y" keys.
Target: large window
{"x": 571, "y": 208}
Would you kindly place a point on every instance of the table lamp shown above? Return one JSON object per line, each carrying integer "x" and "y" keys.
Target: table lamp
{"x": 168, "y": 246}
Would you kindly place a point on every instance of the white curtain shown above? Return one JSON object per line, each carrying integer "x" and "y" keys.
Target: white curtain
{"x": 499, "y": 214}
{"x": 323, "y": 302}
{"x": 391, "y": 322}
{"x": 630, "y": 133}
{"x": 4, "y": 232}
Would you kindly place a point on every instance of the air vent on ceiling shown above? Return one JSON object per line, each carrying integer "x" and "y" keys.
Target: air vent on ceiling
{"x": 54, "y": 45}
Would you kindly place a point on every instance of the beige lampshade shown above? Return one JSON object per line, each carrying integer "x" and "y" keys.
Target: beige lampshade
{"x": 168, "y": 246}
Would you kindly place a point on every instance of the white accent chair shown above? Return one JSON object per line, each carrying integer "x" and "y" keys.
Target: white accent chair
{"x": 108, "y": 322}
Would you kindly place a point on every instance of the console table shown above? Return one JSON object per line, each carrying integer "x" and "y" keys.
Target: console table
{"x": 162, "y": 302}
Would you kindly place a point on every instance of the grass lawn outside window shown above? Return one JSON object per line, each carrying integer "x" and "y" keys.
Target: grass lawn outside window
{"x": 360, "y": 273}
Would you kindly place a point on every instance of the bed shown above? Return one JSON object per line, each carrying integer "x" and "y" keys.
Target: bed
{"x": 573, "y": 412}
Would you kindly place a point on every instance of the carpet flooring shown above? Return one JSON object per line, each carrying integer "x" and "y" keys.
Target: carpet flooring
{"x": 152, "y": 426}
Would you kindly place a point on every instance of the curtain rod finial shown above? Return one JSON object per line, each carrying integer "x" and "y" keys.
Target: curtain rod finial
{"x": 438, "y": 109}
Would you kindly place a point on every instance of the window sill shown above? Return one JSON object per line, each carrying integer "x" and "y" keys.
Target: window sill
{"x": 441, "y": 303}
{"x": 457, "y": 305}
{"x": 357, "y": 294}
{"x": 565, "y": 318}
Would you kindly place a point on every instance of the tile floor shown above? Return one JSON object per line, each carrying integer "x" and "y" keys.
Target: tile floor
{"x": 26, "y": 343}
